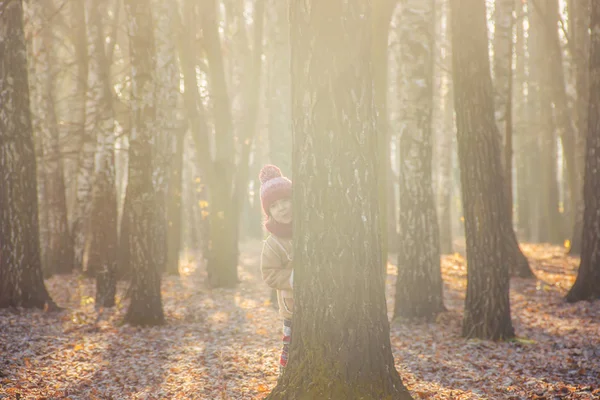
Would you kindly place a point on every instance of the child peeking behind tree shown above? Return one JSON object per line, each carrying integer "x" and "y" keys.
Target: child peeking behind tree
{"x": 276, "y": 257}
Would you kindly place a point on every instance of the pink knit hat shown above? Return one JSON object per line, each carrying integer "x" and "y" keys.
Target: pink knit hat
{"x": 273, "y": 186}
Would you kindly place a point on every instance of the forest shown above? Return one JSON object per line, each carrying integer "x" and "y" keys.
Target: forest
{"x": 302, "y": 199}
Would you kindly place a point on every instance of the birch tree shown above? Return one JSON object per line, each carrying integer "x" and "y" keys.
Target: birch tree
{"x": 146, "y": 302}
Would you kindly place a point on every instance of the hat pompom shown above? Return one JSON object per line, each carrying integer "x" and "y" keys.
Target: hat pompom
{"x": 269, "y": 172}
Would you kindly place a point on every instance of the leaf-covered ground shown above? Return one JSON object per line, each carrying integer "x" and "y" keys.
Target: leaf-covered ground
{"x": 224, "y": 344}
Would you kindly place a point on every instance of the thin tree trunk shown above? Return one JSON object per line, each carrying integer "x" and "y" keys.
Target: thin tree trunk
{"x": 77, "y": 108}
{"x": 86, "y": 164}
{"x": 521, "y": 127}
{"x": 419, "y": 291}
{"x": 59, "y": 251}
{"x": 252, "y": 91}
{"x": 547, "y": 68}
{"x": 383, "y": 11}
{"x": 146, "y": 302}
{"x": 21, "y": 281}
{"x": 223, "y": 218}
{"x": 168, "y": 125}
{"x": 446, "y": 145}
{"x": 102, "y": 243}
{"x": 503, "y": 60}
{"x": 174, "y": 206}
{"x": 487, "y": 306}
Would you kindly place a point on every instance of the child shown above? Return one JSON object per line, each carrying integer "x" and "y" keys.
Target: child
{"x": 276, "y": 257}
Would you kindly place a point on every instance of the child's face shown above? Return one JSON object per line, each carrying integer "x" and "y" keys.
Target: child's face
{"x": 281, "y": 211}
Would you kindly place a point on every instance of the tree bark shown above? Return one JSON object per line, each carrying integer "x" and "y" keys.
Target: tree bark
{"x": 146, "y": 302}
{"x": 579, "y": 15}
{"x": 487, "y": 306}
{"x": 340, "y": 343}
{"x": 587, "y": 284}
{"x": 21, "y": 281}
{"x": 419, "y": 291}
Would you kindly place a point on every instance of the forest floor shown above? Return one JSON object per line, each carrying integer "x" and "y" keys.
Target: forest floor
{"x": 225, "y": 343}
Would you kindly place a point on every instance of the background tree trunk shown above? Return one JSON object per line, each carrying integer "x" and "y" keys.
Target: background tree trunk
{"x": 445, "y": 138}
{"x": 168, "y": 128}
{"x": 146, "y": 302}
{"x": 174, "y": 209}
{"x": 340, "y": 342}
{"x": 419, "y": 291}
{"x": 545, "y": 181}
{"x": 223, "y": 246}
{"x": 487, "y": 306}
{"x": 59, "y": 246}
{"x": 102, "y": 243}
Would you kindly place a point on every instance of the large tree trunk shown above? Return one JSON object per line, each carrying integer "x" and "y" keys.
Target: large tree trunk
{"x": 102, "y": 243}
{"x": 146, "y": 302}
{"x": 587, "y": 284}
{"x": 487, "y": 306}
{"x": 21, "y": 282}
{"x": 340, "y": 343}
{"x": 579, "y": 17}
{"x": 419, "y": 291}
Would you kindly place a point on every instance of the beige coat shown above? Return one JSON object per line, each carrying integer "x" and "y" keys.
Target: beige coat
{"x": 276, "y": 269}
